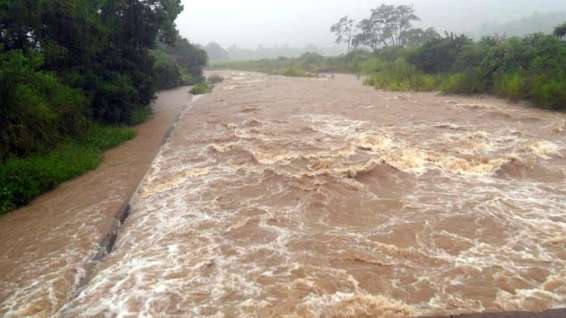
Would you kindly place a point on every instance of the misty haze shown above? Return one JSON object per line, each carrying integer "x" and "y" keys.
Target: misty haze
{"x": 314, "y": 159}
{"x": 290, "y": 28}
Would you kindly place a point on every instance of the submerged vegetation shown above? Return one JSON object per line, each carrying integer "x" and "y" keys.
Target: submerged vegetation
{"x": 67, "y": 66}
{"x": 404, "y": 58}
{"x": 201, "y": 88}
{"x": 206, "y": 86}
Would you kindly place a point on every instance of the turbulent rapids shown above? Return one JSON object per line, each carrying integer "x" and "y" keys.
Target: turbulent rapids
{"x": 280, "y": 197}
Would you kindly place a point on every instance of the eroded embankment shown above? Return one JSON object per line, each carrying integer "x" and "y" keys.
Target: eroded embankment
{"x": 280, "y": 197}
{"x": 48, "y": 247}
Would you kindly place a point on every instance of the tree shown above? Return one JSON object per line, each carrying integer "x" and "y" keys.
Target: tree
{"x": 387, "y": 26}
{"x": 189, "y": 57}
{"x": 95, "y": 65}
{"x": 560, "y": 31}
{"x": 439, "y": 56}
{"x": 344, "y": 31}
{"x": 418, "y": 37}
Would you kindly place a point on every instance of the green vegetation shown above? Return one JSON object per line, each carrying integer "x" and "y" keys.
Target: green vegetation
{"x": 206, "y": 86}
{"x": 65, "y": 63}
{"x": 69, "y": 65}
{"x": 22, "y": 179}
{"x": 529, "y": 68}
{"x": 179, "y": 64}
{"x": 201, "y": 88}
{"x": 404, "y": 58}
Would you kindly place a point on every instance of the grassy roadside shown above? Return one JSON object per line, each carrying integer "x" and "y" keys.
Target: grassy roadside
{"x": 23, "y": 179}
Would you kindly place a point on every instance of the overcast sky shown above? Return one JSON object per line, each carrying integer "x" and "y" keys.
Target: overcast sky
{"x": 249, "y": 23}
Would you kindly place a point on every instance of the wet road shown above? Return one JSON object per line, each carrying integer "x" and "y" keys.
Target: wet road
{"x": 281, "y": 197}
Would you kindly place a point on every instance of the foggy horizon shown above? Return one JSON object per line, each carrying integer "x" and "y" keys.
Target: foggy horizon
{"x": 252, "y": 23}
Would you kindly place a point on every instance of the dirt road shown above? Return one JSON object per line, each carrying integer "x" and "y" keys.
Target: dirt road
{"x": 280, "y": 197}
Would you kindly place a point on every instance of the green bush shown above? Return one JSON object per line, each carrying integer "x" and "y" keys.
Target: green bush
{"x": 439, "y": 55}
{"x": 295, "y": 71}
{"x": 401, "y": 76}
{"x": 36, "y": 108}
{"x": 462, "y": 83}
{"x": 201, "y": 88}
{"x": 23, "y": 179}
{"x": 550, "y": 93}
{"x": 166, "y": 73}
{"x": 512, "y": 86}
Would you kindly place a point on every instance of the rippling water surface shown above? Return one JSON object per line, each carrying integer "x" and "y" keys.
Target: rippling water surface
{"x": 280, "y": 197}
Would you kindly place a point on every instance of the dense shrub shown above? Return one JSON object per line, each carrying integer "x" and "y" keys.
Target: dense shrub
{"x": 549, "y": 93}
{"x": 166, "y": 72}
{"x": 36, "y": 109}
{"x": 201, "y": 88}
{"x": 511, "y": 85}
{"x": 440, "y": 55}
{"x": 468, "y": 82}
{"x": 530, "y": 68}
{"x": 401, "y": 76}
{"x": 189, "y": 59}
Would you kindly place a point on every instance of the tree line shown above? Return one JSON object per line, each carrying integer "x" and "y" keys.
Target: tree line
{"x": 67, "y": 63}
{"x": 406, "y": 58}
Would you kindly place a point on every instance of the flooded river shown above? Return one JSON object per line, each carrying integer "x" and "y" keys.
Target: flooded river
{"x": 280, "y": 197}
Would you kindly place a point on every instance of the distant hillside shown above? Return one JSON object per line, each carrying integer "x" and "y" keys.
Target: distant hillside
{"x": 537, "y": 22}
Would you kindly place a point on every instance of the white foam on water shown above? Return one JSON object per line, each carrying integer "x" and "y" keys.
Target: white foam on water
{"x": 320, "y": 215}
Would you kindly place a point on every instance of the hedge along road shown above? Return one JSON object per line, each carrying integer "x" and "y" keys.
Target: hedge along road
{"x": 49, "y": 246}
{"x": 287, "y": 197}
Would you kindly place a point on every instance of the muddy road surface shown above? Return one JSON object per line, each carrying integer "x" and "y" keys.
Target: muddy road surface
{"x": 281, "y": 197}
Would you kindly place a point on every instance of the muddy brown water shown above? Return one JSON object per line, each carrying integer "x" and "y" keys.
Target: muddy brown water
{"x": 47, "y": 247}
{"x": 281, "y": 197}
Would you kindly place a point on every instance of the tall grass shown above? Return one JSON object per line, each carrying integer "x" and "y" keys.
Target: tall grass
{"x": 462, "y": 83}
{"x": 400, "y": 76}
{"x": 513, "y": 86}
{"x": 201, "y": 88}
